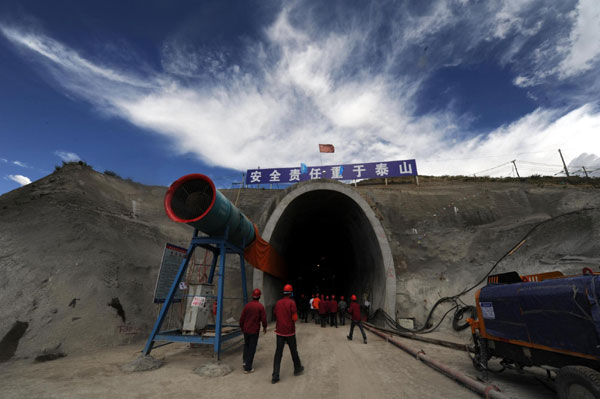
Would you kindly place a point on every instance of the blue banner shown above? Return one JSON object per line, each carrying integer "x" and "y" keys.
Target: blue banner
{"x": 335, "y": 172}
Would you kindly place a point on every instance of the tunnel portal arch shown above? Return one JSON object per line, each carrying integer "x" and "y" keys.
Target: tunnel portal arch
{"x": 365, "y": 253}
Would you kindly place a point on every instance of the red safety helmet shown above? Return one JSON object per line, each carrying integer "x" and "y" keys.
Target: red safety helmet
{"x": 333, "y": 297}
{"x": 327, "y": 297}
{"x": 256, "y": 293}
{"x": 322, "y": 296}
{"x": 287, "y": 289}
{"x": 353, "y": 297}
{"x": 342, "y": 298}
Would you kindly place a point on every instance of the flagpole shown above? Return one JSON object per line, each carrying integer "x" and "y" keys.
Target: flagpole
{"x": 325, "y": 148}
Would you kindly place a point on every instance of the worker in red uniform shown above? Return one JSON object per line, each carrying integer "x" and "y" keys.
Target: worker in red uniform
{"x": 354, "y": 310}
{"x": 323, "y": 311}
{"x": 333, "y": 309}
{"x": 252, "y": 316}
{"x": 316, "y": 303}
{"x": 286, "y": 314}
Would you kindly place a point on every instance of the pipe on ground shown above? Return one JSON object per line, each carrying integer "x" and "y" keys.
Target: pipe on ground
{"x": 413, "y": 336}
{"x": 489, "y": 391}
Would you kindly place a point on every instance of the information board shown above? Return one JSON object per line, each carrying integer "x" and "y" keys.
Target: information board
{"x": 336, "y": 172}
{"x": 171, "y": 261}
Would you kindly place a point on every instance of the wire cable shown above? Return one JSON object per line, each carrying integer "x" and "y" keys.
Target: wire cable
{"x": 495, "y": 167}
{"x": 456, "y": 298}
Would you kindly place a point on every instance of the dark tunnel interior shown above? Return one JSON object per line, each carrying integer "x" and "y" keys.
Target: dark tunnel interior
{"x": 330, "y": 247}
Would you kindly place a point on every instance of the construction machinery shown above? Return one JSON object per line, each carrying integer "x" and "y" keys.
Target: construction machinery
{"x": 193, "y": 199}
{"x": 548, "y": 320}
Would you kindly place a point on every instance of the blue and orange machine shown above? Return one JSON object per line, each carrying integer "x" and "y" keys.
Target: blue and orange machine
{"x": 546, "y": 319}
{"x": 193, "y": 199}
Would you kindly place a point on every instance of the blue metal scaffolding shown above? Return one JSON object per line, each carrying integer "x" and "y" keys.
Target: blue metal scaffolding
{"x": 220, "y": 247}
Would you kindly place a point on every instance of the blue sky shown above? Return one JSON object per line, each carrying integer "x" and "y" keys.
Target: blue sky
{"x": 155, "y": 90}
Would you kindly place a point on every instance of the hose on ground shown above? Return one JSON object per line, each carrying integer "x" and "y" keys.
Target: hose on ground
{"x": 457, "y": 321}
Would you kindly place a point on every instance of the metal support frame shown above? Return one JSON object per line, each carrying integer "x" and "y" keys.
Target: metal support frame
{"x": 220, "y": 247}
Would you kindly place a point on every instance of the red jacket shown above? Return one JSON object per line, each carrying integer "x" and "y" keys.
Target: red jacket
{"x": 333, "y": 308}
{"x": 323, "y": 306}
{"x": 252, "y": 315}
{"x": 354, "y": 310}
{"x": 284, "y": 312}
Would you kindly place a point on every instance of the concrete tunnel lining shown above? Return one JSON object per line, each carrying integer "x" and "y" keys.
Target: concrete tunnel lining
{"x": 359, "y": 224}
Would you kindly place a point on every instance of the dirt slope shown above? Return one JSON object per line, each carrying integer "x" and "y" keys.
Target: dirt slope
{"x": 445, "y": 236}
{"x": 71, "y": 244}
{"x": 80, "y": 251}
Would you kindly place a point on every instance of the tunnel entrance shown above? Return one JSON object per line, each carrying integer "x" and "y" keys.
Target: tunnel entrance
{"x": 332, "y": 243}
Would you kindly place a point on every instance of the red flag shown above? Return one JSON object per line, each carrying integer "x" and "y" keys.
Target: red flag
{"x": 326, "y": 148}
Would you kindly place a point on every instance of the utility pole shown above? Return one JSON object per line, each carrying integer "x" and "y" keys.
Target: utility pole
{"x": 564, "y": 164}
{"x": 240, "y": 190}
{"x": 516, "y": 170}
{"x": 585, "y": 171}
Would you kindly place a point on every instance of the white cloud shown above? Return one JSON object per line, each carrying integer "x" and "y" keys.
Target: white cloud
{"x": 21, "y": 164}
{"x": 305, "y": 86}
{"x": 3, "y": 160}
{"x": 184, "y": 59}
{"x": 571, "y": 51}
{"x": 584, "y": 42}
{"x": 508, "y": 17}
{"x": 67, "y": 156}
{"x": 589, "y": 162}
{"x": 68, "y": 60}
{"x": 523, "y": 81}
{"x": 533, "y": 140}
{"x": 22, "y": 180}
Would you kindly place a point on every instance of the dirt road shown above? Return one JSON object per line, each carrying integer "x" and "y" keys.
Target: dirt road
{"x": 334, "y": 368}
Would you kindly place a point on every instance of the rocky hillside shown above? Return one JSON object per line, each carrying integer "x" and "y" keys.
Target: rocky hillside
{"x": 80, "y": 250}
{"x": 79, "y": 253}
{"x": 446, "y": 235}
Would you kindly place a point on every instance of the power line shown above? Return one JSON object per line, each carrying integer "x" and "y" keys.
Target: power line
{"x": 539, "y": 163}
{"x": 488, "y": 156}
{"x": 495, "y": 167}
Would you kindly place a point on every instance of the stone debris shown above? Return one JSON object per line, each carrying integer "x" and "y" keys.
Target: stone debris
{"x": 142, "y": 363}
{"x": 213, "y": 370}
{"x": 48, "y": 356}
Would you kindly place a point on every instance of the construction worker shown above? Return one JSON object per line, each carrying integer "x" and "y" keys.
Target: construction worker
{"x": 312, "y": 307}
{"x": 252, "y": 316}
{"x": 316, "y": 303}
{"x": 333, "y": 309}
{"x": 354, "y": 310}
{"x": 286, "y": 315}
{"x": 367, "y": 307}
{"x": 342, "y": 306}
{"x": 323, "y": 311}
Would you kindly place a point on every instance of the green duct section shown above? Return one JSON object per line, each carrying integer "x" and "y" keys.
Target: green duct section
{"x": 193, "y": 199}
